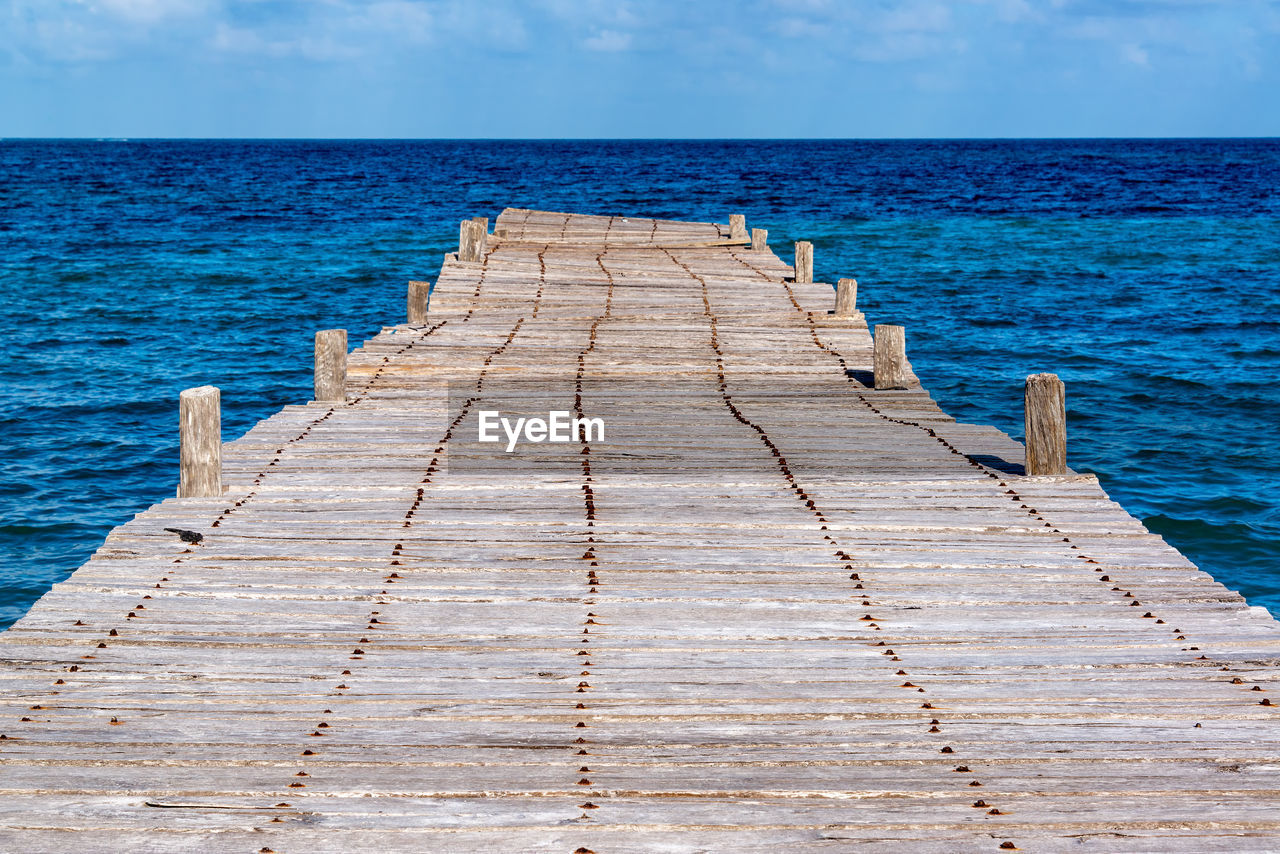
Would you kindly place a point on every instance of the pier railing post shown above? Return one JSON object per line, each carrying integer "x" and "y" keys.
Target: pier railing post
{"x": 465, "y": 239}
{"x": 483, "y": 222}
{"x": 472, "y": 239}
{"x": 1045, "y": 415}
{"x": 738, "y": 228}
{"x": 846, "y": 297}
{"x": 419, "y": 299}
{"x": 759, "y": 239}
{"x": 804, "y": 261}
{"x": 890, "y": 357}
{"x": 331, "y": 365}
{"x": 200, "y": 442}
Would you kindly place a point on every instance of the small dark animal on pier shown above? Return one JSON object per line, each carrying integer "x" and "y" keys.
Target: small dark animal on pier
{"x": 187, "y": 536}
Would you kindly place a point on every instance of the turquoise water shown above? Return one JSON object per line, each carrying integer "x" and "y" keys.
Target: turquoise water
{"x": 1145, "y": 273}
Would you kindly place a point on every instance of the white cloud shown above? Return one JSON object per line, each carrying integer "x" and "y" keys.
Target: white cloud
{"x": 318, "y": 48}
{"x": 799, "y": 28}
{"x": 409, "y": 21}
{"x": 804, "y": 5}
{"x": 148, "y": 11}
{"x": 80, "y": 31}
{"x": 1012, "y": 11}
{"x": 916, "y": 17}
{"x": 609, "y": 41}
{"x": 1135, "y": 54}
{"x": 903, "y": 47}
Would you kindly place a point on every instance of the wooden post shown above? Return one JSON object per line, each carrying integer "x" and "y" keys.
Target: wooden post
{"x": 466, "y": 240}
{"x": 804, "y": 261}
{"x": 419, "y": 299}
{"x": 846, "y": 297}
{"x": 759, "y": 239}
{"x": 483, "y": 222}
{"x": 1045, "y": 415}
{"x": 200, "y": 442}
{"x": 890, "y": 356}
{"x": 738, "y": 228}
{"x": 331, "y": 365}
{"x": 472, "y": 239}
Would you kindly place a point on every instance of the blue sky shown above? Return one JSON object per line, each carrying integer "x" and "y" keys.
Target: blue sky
{"x": 659, "y": 68}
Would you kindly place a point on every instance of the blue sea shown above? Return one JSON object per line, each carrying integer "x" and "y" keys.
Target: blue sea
{"x": 1146, "y": 273}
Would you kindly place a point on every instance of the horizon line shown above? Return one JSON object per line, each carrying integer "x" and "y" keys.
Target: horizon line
{"x": 110, "y": 138}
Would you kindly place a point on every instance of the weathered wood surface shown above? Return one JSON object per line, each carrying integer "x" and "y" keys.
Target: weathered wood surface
{"x": 472, "y": 238}
{"x": 331, "y": 365}
{"x": 889, "y": 362}
{"x": 1045, "y": 420}
{"x": 846, "y": 297}
{"x": 1097, "y": 686}
{"x": 804, "y": 262}
{"x": 200, "y": 442}
{"x": 419, "y": 298}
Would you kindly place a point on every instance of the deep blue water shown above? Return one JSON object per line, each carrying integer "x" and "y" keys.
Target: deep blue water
{"x": 1146, "y": 273}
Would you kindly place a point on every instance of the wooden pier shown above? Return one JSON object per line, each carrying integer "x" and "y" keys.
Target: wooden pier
{"x": 772, "y": 608}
